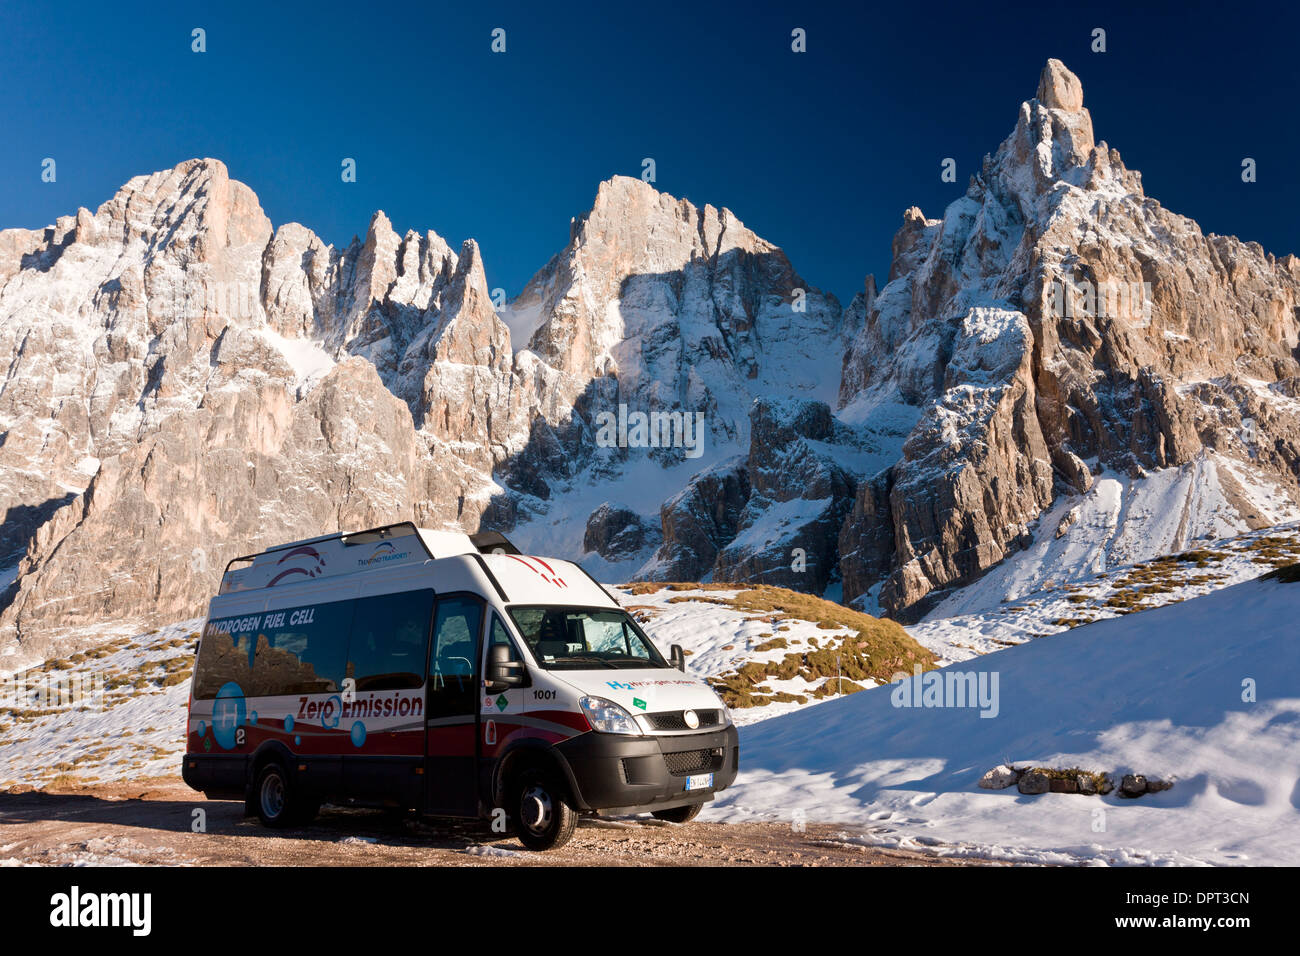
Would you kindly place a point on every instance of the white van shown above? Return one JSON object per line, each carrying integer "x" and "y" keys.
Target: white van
{"x": 447, "y": 674}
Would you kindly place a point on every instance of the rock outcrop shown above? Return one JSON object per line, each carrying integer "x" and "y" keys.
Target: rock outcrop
{"x": 185, "y": 384}
{"x": 801, "y": 487}
{"x": 1055, "y": 323}
{"x": 698, "y": 521}
{"x": 616, "y": 533}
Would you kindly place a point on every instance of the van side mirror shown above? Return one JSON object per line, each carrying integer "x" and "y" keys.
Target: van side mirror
{"x": 502, "y": 672}
{"x": 677, "y": 657}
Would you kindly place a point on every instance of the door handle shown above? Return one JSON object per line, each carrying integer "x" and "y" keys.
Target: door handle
{"x": 490, "y": 733}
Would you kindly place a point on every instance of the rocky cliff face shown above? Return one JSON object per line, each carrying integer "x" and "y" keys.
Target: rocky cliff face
{"x": 655, "y": 308}
{"x": 1054, "y": 324}
{"x": 187, "y": 383}
{"x": 676, "y": 306}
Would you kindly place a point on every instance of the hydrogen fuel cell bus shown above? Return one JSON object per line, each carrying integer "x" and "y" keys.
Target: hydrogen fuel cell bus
{"x": 446, "y": 674}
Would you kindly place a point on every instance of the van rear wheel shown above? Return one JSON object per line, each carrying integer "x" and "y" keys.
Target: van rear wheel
{"x": 277, "y": 802}
{"x": 679, "y": 814}
{"x": 544, "y": 818}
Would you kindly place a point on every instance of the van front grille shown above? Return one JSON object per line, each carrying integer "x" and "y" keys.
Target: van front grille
{"x": 686, "y": 762}
{"x": 673, "y": 719}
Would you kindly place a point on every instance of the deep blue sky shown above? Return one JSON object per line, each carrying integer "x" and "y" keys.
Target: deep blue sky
{"x": 819, "y": 153}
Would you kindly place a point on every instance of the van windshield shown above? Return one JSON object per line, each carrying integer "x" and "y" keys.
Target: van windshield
{"x": 573, "y": 638}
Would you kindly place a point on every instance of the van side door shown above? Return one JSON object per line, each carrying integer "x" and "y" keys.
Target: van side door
{"x": 452, "y": 710}
{"x": 381, "y": 732}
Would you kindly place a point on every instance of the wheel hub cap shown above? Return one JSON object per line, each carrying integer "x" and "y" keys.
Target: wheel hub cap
{"x": 536, "y": 809}
{"x": 273, "y": 796}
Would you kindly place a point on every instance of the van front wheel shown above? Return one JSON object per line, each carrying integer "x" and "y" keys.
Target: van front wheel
{"x": 679, "y": 814}
{"x": 544, "y": 818}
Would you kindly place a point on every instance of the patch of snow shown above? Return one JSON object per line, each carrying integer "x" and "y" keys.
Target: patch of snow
{"x": 307, "y": 358}
{"x": 486, "y": 849}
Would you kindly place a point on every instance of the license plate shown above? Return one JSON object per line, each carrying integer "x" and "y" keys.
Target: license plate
{"x": 701, "y": 781}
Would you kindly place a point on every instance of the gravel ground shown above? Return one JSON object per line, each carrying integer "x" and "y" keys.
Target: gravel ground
{"x": 151, "y": 822}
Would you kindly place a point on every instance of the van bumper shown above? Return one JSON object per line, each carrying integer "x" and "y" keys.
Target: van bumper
{"x": 216, "y": 776}
{"x": 614, "y": 773}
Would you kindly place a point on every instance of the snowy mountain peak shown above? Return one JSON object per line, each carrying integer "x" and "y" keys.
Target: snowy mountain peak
{"x": 681, "y": 304}
{"x": 195, "y": 203}
{"x": 1059, "y": 89}
{"x": 1053, "y": 325}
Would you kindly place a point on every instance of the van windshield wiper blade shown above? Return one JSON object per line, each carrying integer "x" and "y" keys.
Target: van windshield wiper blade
{"x": 581, "y": 659}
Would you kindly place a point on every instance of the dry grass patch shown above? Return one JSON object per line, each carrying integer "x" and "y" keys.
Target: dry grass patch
{"x": 833, "y": 687}
{"x": 1072, "y": 621}
{"x": 653, "y": 587}
{"x": 875, "y": 650}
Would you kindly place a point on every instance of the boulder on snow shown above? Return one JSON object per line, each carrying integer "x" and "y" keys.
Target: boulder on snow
{"x": 1133, "y": 785}
{"x": 1000, "y": 777}
{"x": 1087, "y": 785}
{"x": 1034, "y": 782}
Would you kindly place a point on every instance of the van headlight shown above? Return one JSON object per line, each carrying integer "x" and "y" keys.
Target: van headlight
{"x": 607, "y": 717}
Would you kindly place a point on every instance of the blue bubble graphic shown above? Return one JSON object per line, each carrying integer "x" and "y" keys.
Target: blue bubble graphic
{"x": 203, "y": 727}
{"x": 358, "y": 734}
{"x": 252, "y": 718}
{"x": 227, "y": 714}
{"x": 297, "y": 741}
{"x": 288, "y": 722}
{"x": 333, "y": 708}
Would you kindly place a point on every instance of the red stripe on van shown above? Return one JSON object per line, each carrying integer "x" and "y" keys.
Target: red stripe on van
{"x": 566, "y": 717}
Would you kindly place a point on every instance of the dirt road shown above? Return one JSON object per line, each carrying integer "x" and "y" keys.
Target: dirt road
{"x": 152, "y": 823}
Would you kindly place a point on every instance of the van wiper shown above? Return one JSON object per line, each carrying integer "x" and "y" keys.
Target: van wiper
{"x": 581, "y": 659}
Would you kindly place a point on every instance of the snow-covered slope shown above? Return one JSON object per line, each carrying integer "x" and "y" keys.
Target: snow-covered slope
{"x": 1122, "y": 521}
{"x": 1205, "y": 693}
{"x": 1085, "y": 573}
{"x": 127, "y": 720}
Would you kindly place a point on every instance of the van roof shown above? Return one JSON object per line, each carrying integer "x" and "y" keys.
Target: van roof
{"x": 518, "y": 577}
{"x": 328, "y": 555}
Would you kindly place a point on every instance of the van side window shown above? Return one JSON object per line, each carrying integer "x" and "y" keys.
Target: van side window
{"x": 302, "y": 650}
{"x": 390, "y": 640}
{"x": 455, "y": 643}
{"x": 225, "y": 657}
